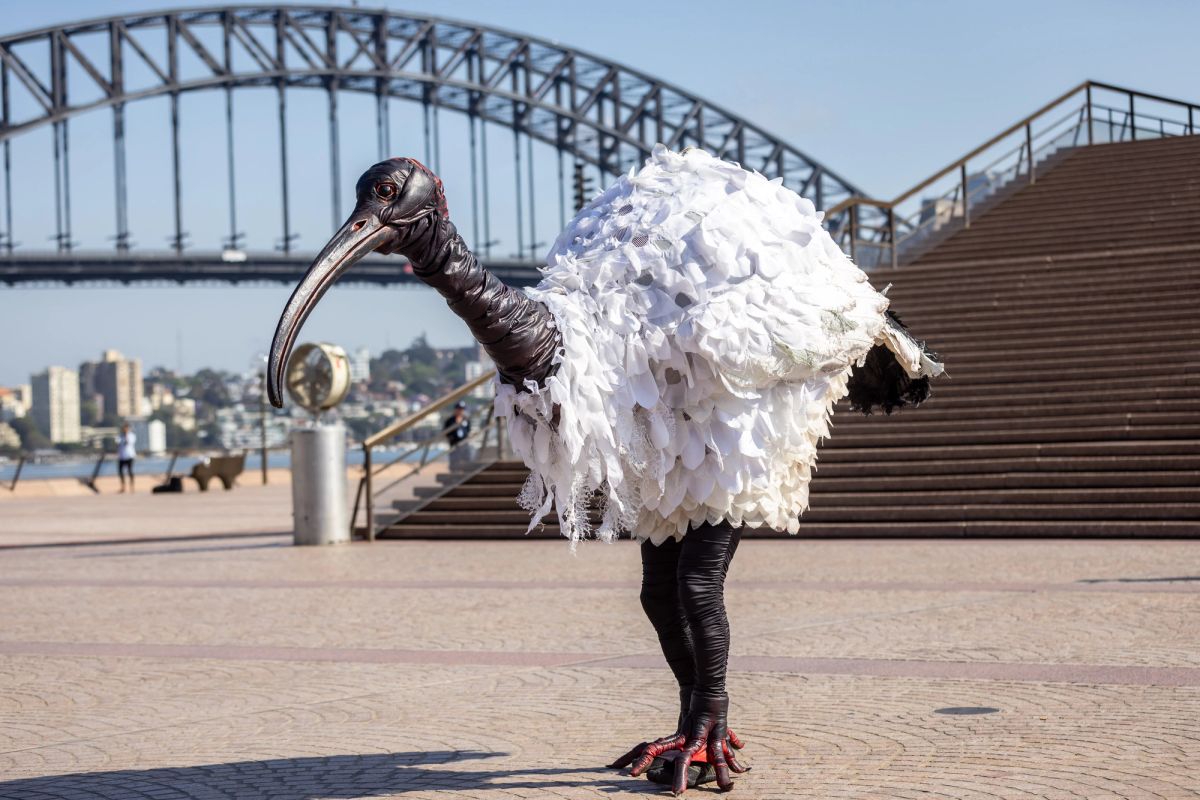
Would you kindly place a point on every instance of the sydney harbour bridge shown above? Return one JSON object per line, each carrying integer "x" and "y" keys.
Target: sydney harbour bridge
{"x": 520, "y": 127}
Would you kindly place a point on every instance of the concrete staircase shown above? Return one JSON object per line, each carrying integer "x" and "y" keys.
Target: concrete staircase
{"x": 1067, "y": 316}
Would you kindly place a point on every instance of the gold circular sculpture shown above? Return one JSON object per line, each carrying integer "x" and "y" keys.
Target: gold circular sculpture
{"x": 318, "y": 376}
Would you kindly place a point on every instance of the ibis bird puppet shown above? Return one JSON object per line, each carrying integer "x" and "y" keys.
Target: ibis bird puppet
{"x": 678, "y": 364}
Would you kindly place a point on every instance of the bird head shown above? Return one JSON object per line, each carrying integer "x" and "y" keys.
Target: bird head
{"x": 396, "y": 199}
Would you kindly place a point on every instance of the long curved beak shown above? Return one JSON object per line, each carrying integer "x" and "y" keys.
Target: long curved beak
{"x": 361, "y": 234}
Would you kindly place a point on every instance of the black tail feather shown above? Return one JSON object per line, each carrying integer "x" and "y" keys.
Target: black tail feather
{"x": 881, "y": 381}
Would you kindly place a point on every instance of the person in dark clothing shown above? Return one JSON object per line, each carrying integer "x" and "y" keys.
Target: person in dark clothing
{"x": 456, "y": 429}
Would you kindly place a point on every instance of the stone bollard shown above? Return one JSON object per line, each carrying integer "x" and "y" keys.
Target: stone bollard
{"x": 319, "y": 507}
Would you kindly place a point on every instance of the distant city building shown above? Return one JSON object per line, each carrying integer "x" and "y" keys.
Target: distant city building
{"x": 360, "y": 365}
{"x": 474, "y": 369}
{"x": 25, "y": 393}
{"x": 118, "y": 380}
{"x": 89, "y": 391}
{"x": 11, "y": 406}
{"x": 97, "y": 436}
{"x": 184, "y": 413}
{"x": 159, "y": 395}
{"x": 9, "y": 437}
{"x": 15, "y": 401}
{"x": 239, "y": 428}
{"x": 151, "y": 435}
{"x": 445, "y": 355}
{"x": 56, "y": 404}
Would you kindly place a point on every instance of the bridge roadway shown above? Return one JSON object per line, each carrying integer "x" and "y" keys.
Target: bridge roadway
{"x": 207, "y": 267}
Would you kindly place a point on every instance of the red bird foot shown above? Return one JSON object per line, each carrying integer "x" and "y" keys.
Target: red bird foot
{"x": 690, "y": 756}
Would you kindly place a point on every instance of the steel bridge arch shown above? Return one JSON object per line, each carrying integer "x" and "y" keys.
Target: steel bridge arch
{"x": 596, "y": 110}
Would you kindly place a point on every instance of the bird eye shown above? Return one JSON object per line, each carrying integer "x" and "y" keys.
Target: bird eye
{"x": 385, "y": 190}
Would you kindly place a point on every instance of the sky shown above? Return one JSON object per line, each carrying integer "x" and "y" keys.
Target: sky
{"x": 885, "y": 93}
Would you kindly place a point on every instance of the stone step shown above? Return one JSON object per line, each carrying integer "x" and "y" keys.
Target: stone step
{"x": 1016, "y": 236}
{"x": 972, "y": 243}
{"x": 1066, "y": 317}
{"x": 1032, "y": 396}
{"x": 1098, "y": 317}
{"x": 901, "y": 437}
{"x": 996, "y": 460}
{"x": 983, "y": 371}
{"x": 1084, "y": 351}
{"x": 935, "y": 411}
{"x": 1014, "y": 388}
{"x": 1029, "y": 450}
{"x": 1151, "y": 258}
{"x": 1035, "y": 297}
{"x": 823, "y": 497}
{"x": 895, "y": 513}
{"x": 1007, "y": 529}
{"x": 824, "y": 482}
{"x": 918, "y": 422}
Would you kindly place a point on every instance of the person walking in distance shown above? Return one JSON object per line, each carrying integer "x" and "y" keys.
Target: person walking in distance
{"x": 126, "y": 453}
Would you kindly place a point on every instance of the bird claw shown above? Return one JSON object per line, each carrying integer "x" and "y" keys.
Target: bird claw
{"x": 732, "y": 742}
{"x": 687, "y": 747}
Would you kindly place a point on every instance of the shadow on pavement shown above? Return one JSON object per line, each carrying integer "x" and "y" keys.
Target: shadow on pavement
{"x": 185, "y": 550}
{"x": 341, "y": 777}
{"x": 1177, "y": 579}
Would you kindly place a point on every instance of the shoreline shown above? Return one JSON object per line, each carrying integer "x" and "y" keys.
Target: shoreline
{"x": 110, "y": 484}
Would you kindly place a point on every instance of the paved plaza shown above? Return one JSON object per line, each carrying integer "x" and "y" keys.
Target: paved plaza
{"x": 242, "y": 667}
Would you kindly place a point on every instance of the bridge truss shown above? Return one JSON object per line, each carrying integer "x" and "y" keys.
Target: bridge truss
{"x": 590, "y": 110}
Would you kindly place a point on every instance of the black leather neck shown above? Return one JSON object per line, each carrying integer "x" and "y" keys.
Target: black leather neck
{"x": 517, "y": 332}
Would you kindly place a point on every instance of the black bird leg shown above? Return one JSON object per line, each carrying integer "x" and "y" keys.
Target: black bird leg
{"x": 683, "y": 596}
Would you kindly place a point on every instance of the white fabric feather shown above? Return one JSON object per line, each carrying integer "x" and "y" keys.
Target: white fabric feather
{"x": 709, "y": 324}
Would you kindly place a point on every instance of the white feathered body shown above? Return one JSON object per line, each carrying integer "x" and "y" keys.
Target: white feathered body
{"x": 709, "y": 324}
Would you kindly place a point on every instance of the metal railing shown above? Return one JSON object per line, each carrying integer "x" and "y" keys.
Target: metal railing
{"x": 21, "y": 459}
{"x": 102, "y": 457}
{"x": 486, "y": 443}
{"x": 887, "y": 232}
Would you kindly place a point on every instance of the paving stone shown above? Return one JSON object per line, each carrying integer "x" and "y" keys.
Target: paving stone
{"x": 245, "y": 668}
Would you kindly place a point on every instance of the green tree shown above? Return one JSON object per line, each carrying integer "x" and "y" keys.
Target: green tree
{"x": 167, "y": 377}
{"x": 89, "y": 413}
{"x": 422, "y": 378}
{"x": 181, "y": 439}
{"x": 421, "y": 352}
{"x": 208, "y": 386}
{"x": 387, "y": 368}
{"x": 210, "y": 433}
{"x": 361, "y": 427}
{"x": 455, "y": 369}
{"x": 31, "y": 437}
{"x": 177, "y": 437}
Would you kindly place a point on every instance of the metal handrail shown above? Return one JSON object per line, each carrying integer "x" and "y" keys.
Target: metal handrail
{"x": 886, "y": 228}
{"x": 962, "y": 189}
{"x": 426, "y": 449}
{"x": 102, "y": 456}
{"x": 396, "y": 428}
{"x": 1009, "y": 131}
{"x": 480, "y": 440}
{"x": 17, "y": 475}
{"x": 366, "y": 487}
